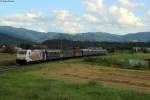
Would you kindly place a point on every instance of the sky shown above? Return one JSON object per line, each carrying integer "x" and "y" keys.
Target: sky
{"x": 77, "y": 16}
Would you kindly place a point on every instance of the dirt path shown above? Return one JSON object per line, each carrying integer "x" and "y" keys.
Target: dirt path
{"x": 136, "y": 80}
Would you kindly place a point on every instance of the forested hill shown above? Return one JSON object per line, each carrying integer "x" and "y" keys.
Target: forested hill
{"x": 20, "y": 34}
{"x": 85, "y": 44}
{"x": 6, "y": 39}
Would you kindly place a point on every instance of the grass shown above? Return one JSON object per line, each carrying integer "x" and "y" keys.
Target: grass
{"x": 19, "y": 86}
{"x": 84, "y": 73}
{"x": 7, "y": 59}
{"x": 126, "y": 56}
{"x": 121, "y": 60}
{"x": 62, "y": 81}
{"x": 25, "y": 85}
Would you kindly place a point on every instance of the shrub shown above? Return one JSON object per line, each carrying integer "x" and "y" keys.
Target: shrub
{"x": 121, "y": 63}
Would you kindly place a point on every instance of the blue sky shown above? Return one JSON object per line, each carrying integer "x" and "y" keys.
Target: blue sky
{"x": 76, "y": 16}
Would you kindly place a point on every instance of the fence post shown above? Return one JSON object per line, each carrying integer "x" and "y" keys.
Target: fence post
{"x": 147, "y": 63}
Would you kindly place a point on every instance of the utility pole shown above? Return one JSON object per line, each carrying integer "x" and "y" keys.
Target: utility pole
{"x": 61, "y": 45}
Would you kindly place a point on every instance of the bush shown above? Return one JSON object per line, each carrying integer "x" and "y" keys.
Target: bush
{"x": 121, "y": 63}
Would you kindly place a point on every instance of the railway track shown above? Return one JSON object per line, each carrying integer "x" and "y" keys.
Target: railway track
{"x": 6, "y": 69}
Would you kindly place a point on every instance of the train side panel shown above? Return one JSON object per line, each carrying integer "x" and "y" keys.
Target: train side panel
{"x": 77, "y": 52}
{"x": 67, "y": 53}
{"x": 35, "y": 55}
{"x": 53, "y": 54}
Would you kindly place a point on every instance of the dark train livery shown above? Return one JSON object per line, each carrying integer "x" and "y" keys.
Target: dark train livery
{"x": 30, "y": 56}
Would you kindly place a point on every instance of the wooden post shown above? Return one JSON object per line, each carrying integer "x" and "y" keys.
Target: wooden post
{"x": 147, "y": 63}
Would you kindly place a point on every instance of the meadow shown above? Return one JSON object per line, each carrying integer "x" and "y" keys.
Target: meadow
{"x": 136, "y": 61}
{"x": 73, "y": 80}
{"x": 7, "y": 59}
{"x": 76, "y": 80}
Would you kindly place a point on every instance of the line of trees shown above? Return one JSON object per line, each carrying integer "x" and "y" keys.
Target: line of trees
{"x": 107, "y": 45}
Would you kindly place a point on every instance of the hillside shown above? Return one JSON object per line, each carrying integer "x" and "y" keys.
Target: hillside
{"x": 25, "y": 34}
{"x": 141, "y": 36}
{"x": 35, "y": 36}
{"x": 6, "y": 39}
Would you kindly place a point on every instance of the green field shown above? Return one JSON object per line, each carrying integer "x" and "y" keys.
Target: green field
{"x": 7, "y": 59}
{"x": 121, "y": 60}
{"x": 76, "y": 80}
{"x": 55, "y": 81}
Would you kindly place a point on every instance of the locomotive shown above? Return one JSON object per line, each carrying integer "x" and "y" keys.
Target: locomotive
{"x": 32, "y": 56}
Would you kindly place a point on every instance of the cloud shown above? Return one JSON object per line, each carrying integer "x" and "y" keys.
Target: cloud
{"x": 62, "y": 14}
{"x": 96, "y": 6}
{"x": 113, "y": 19}
{"x": 20, "y": 19}
{"x": 32, "y": 14}
{"x": 149, "y": 13}
{"x": 129, "y": 18}
{"x": 60, "y": 21}
{"x": 65, "y": 21}
{"x": 98, "y": 17}
{"x": 73, "y": 27}
{"x": 90, "y": 6}
{"x": 90, "y": 18}
{"x": 125, "y": 17}
{"x": 113, "y": 10}
{"x": 132, "y": 5}
{"x": 100, "y": 6}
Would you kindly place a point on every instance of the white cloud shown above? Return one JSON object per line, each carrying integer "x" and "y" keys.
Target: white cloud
{"x": 96, "y": 6}
{"x": 100, "y": 6}
{"x": 20, "y": 19}
{"x": 62, "y": 14}
{"x": 149, "y": 13}
{"x": 91, "y": 6}
{"x": 98, "y": 17}
{"x": 60, "y": 20}
{"x": 73, "y": 27}
{"x": 132, "y": 5}
{"x": 129, "y": 18}
{"x": 123, "y": 16}
{"x": 65, "y": 21}
{"x": 33, "y": 14}
{"x": 90, "y": 18}
{"x": 113, "y": 10}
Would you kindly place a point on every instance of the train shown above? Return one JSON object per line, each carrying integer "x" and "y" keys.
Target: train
{"x": 42, "y": 55}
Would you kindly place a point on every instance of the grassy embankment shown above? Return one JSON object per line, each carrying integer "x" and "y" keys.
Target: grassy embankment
{"x": 7, "y": 59}
{"x": 73, "y": 81}
{"x": 121, "y": 60}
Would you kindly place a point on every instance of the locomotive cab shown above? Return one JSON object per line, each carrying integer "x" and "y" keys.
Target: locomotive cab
{"x": 21, "y": 57}
{"x": 30, "y": 56}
